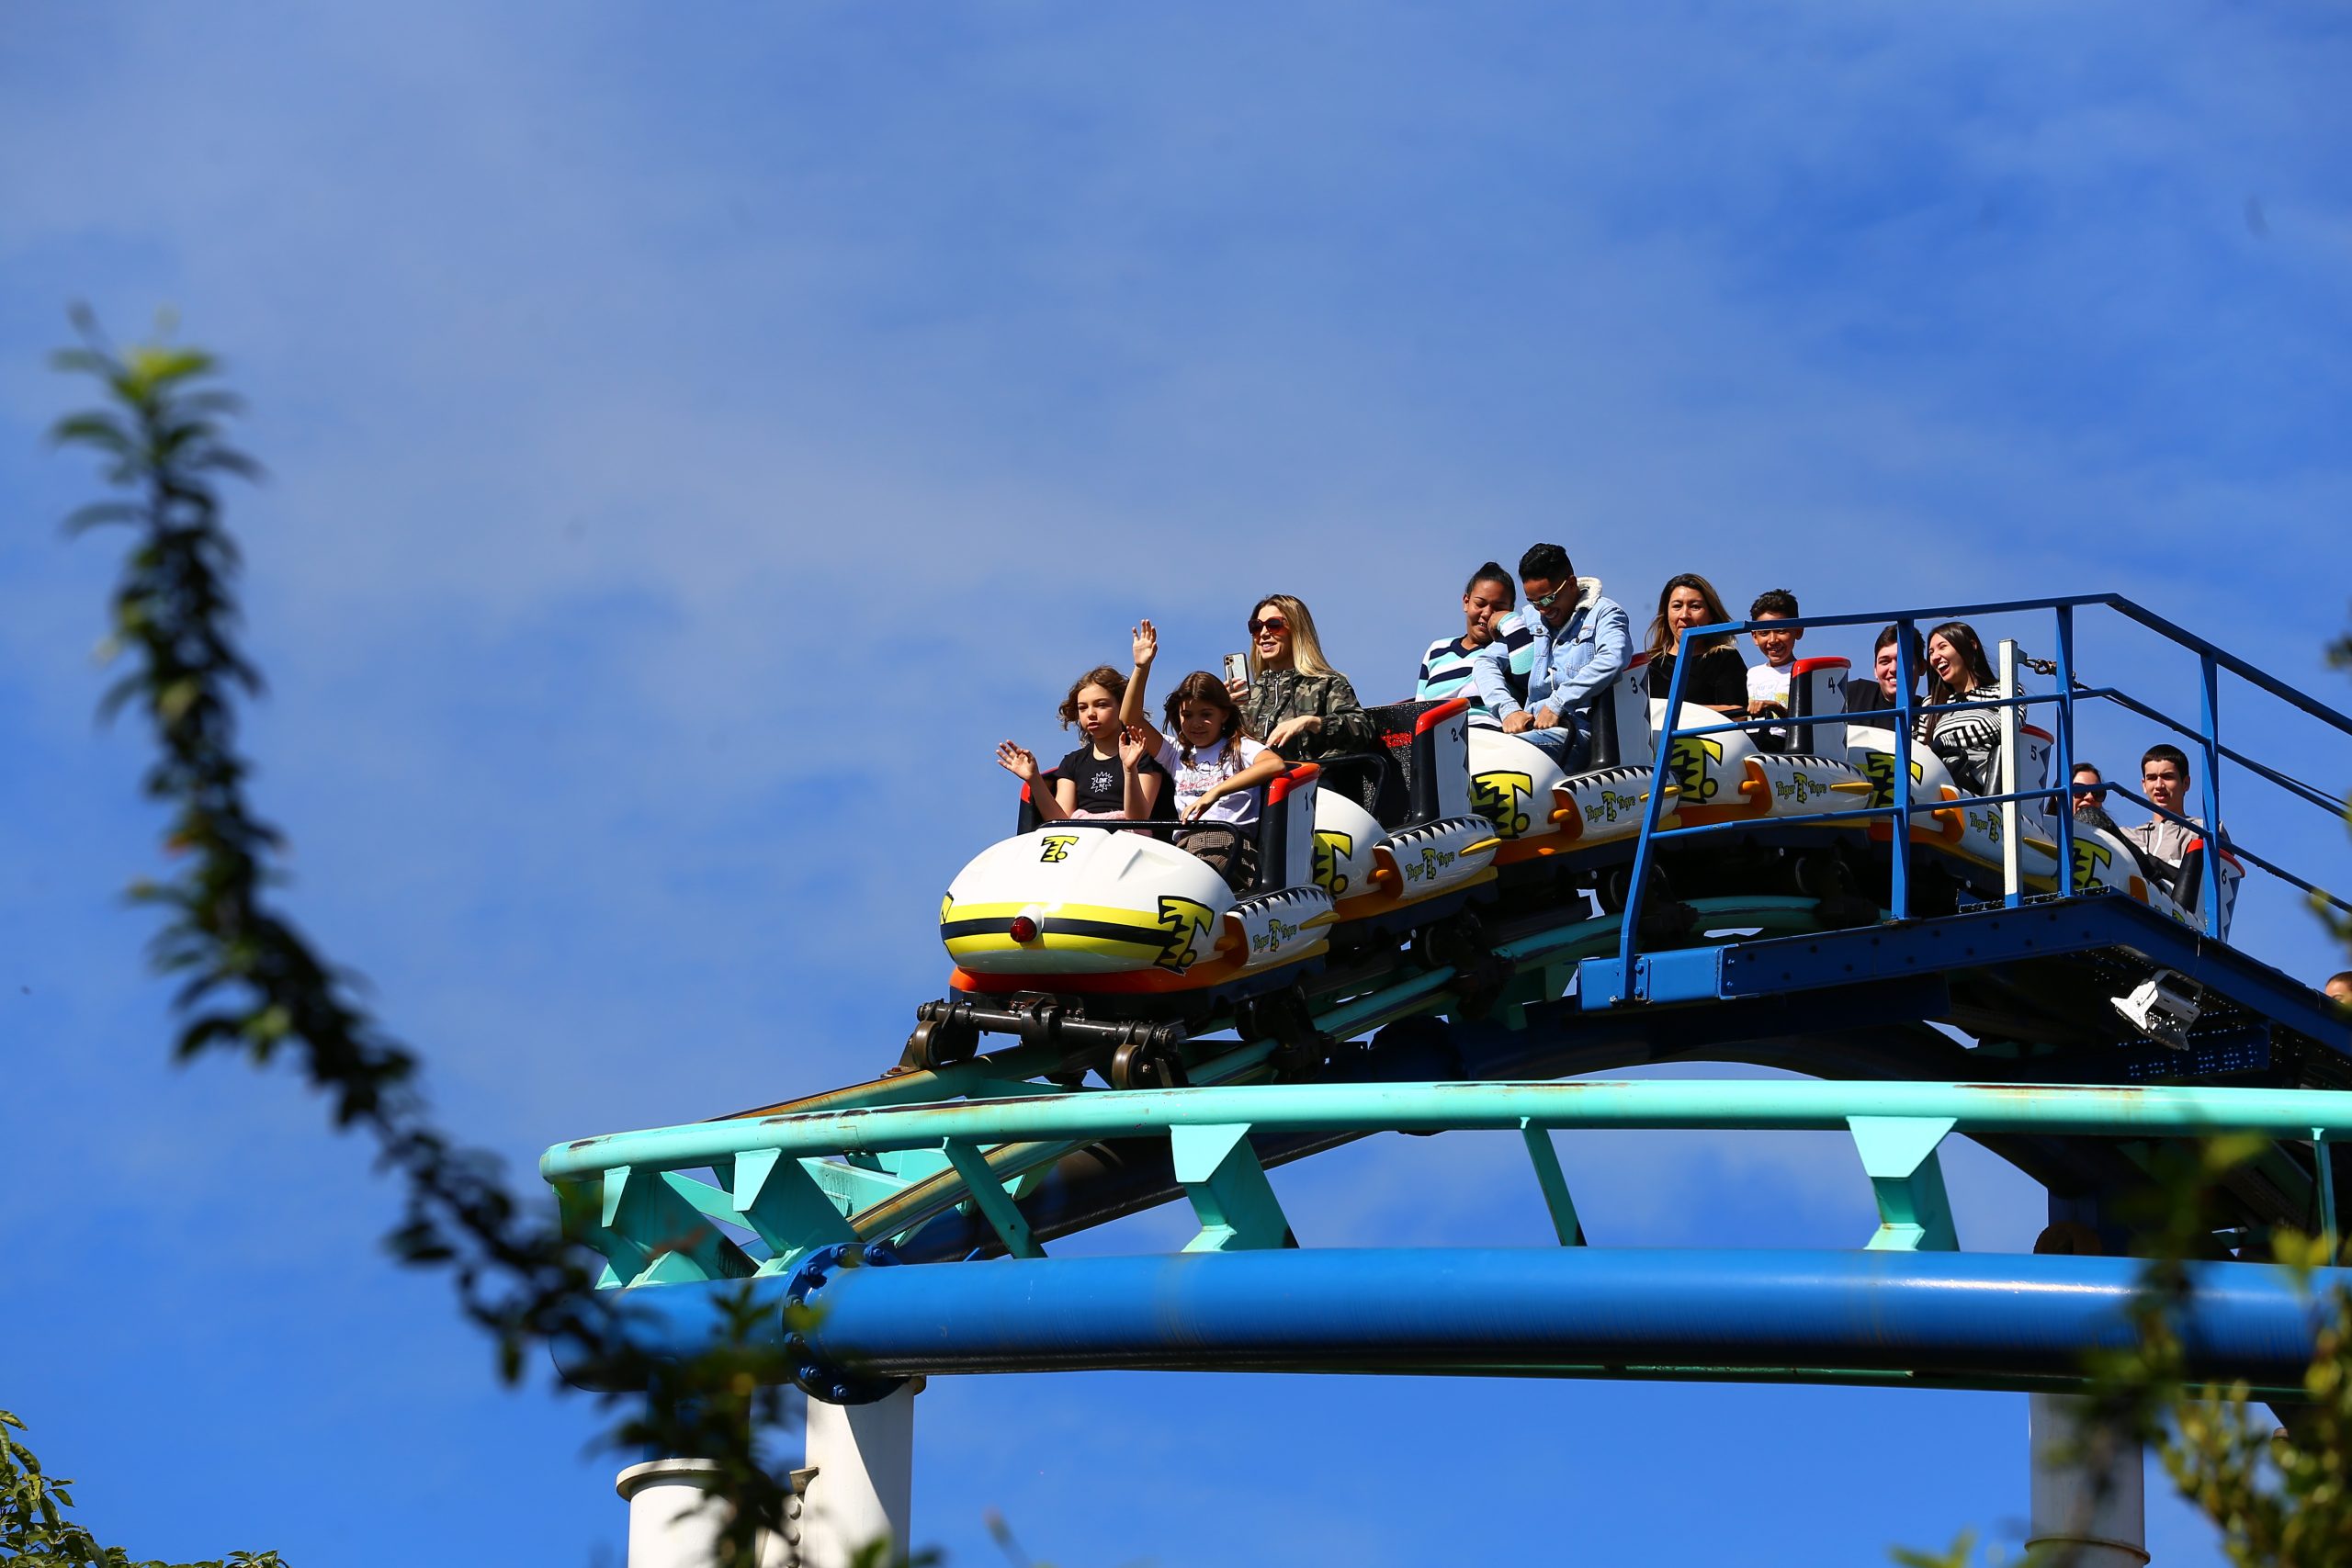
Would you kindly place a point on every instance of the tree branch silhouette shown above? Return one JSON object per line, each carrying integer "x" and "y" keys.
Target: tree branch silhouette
{"x": 251, "y": 984}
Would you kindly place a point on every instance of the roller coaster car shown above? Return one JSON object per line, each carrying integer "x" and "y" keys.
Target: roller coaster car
{"x": 1540, "y": 811}
{"x": 1965, "y": 833}
{"x": 1079, "y": 930}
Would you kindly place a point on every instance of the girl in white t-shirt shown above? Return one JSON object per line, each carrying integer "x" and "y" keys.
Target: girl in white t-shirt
{"x": 1220, "y": 772}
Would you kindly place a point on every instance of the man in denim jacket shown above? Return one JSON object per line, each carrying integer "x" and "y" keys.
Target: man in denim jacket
{"x": 1582, "y": 643}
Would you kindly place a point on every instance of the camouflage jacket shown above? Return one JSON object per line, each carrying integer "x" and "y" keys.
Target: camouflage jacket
{"x": 1278, "y": 694}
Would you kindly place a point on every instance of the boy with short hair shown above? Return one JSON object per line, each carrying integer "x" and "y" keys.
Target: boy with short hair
{"x": 1767, "y": 684}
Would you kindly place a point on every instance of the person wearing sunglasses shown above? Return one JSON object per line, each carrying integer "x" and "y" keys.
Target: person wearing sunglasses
{"x": 1306, "y": 710}
{"x": 2087, "y": 796}
{"x": 1583, "y": 642}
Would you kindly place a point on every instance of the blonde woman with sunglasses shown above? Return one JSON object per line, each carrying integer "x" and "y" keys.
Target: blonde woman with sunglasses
{"x": 1305, "y": 709}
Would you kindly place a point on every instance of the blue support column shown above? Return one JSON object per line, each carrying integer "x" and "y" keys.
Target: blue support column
{"x": 2067, "y": 748}
{"x": 2209, "y": 728}
{"x": 1907, "y": 711}
{"x": 1629, "y": 934}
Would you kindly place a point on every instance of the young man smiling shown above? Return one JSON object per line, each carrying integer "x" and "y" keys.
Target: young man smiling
{"x": 2166, "y": 846}
{"x": 1582, "y": 642}
{"x": 2164, "y": 779}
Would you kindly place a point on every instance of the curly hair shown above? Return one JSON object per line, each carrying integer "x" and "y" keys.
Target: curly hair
{"x": 1101, "y": 675}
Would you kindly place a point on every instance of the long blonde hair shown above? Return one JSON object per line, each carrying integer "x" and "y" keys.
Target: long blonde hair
{"x": 1305, "y": 647}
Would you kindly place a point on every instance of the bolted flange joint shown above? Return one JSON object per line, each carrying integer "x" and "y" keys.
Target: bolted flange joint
{"x": 833, "y": 1384}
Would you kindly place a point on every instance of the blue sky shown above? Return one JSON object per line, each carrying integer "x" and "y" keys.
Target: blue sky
{"x": 697, "y": 436}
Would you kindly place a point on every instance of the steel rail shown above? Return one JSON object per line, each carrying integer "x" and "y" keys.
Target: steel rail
{"x": 1797, "y": 1105}
{"x": 1952, "y": 1319}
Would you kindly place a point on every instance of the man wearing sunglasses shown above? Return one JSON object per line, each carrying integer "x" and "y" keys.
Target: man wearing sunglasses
{"x": 1582, "y": 642}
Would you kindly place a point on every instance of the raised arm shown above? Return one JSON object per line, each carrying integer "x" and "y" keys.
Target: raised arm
{"x": 1022, "y": 764}
{"x": 1132, "y": 715}
{"x": 1143, "y": 786}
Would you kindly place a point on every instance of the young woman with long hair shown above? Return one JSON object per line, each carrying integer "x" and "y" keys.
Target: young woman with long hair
{"x": 1719, "y": 679}
{"x": 1968, "y": 742}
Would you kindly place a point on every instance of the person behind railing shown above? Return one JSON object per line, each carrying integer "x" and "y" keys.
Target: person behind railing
{"x": 1881, "y": 693}
{"x": 2163, "y": 845}
{"x": 1487, "y": 616}
{"x": 1220, "y": 772}
{"x": 2087, "y": 796}
{"x": 1767, "y": 684}
{"x": 1719, "y": 679}
{"x": 1305, "y": 709}
{"x": 1089, "y": 782}
{"x": 2339, "y": 989}
{"x": 1968, "y": 742}
{"x": 1582, "y": 642}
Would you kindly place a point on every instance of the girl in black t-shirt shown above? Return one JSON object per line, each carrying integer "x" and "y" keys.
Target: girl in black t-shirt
{"x": 1089, "y": 782}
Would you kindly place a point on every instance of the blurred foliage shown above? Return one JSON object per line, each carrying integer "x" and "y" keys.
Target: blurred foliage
{"x": 2278, "y": 1486}
{"x": 35, "y": 1533}
{"x": 251, "y": 984}
{"x": 2275, "y": 1480}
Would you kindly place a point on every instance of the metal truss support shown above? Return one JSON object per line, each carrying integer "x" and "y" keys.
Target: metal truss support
{"x": 859, "y": 1481}
{"x": 1003, "y": 1215}
{"x": 2089, "y": 1505}
{"x": 1899, "y": 1155}
{"x": 1555, "y": 1182}
{"x": 782, "y": 1205}
{"x": 653, "y": 1231}
{"x": 1228, "y": 1189}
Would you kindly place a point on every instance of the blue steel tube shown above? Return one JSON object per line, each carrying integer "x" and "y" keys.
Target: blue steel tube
{"x": 1955, "y": 1318}
{"x": 1662, "y": 751}
{"x": 1906, "y": 715}
{"x": 2209, "y": 695}
{"x": 2065, "y": 800}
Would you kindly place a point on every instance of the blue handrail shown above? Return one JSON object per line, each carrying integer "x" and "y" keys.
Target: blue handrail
{"x": 1907, "y": 710}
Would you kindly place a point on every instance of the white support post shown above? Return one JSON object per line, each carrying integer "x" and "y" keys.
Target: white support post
{"x": 668, "y": 1526}
{"x": 861, "y": 1479}
{"x": 2089, "y": 1499}
{"x": 2012, "y": 867}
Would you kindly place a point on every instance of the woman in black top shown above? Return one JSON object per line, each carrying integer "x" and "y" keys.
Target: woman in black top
{"x": 1719, "y": 679}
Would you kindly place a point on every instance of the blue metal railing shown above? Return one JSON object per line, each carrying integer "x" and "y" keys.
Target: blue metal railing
{"x": 1907, "y": 710}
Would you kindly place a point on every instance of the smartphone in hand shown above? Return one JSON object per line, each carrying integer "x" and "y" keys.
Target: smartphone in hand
{"x": 1237, "y": 668}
